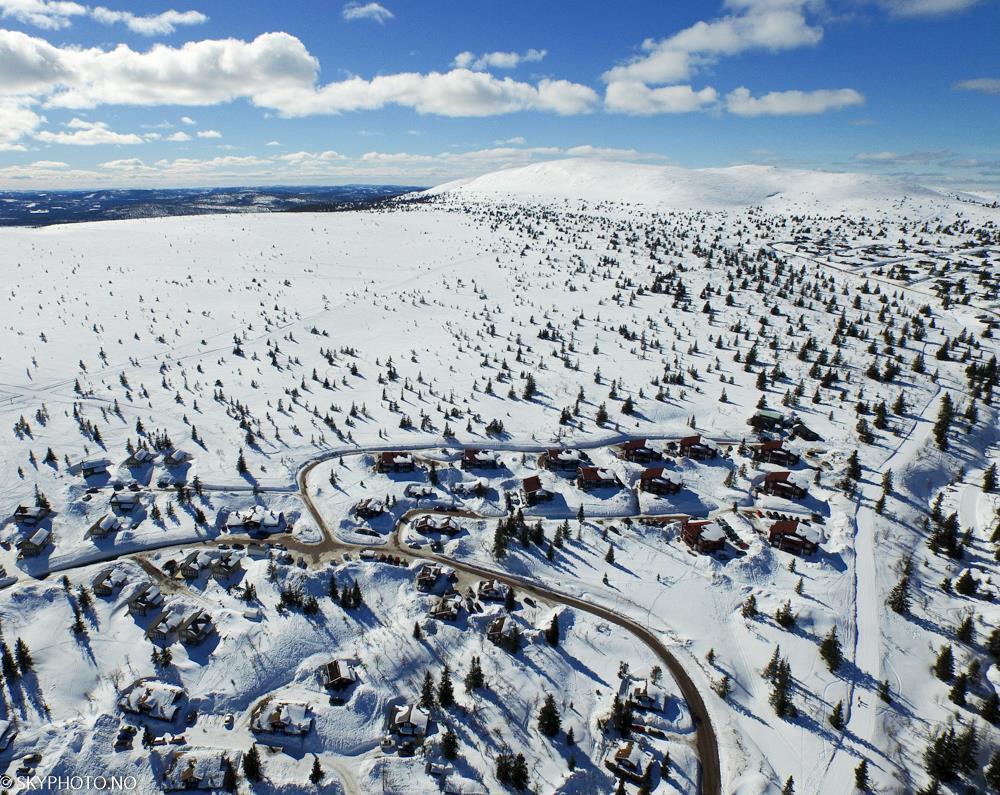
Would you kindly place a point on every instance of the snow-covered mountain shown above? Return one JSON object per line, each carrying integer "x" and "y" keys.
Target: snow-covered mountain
{"x": 672, "y": 186}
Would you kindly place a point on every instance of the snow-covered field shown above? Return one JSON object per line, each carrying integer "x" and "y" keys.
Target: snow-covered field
{"x": 569, "y": 306}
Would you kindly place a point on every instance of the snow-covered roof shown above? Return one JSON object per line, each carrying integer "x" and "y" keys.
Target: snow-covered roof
{"x": 154, "y": 698}
{"x": 411, "y": 715}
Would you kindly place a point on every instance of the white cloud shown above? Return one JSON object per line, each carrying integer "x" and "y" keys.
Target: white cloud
{"x": 273, "y": 143}
{"x": 19, "y": 121}
{"x": 791, "y": 103}
{"x": 895, "y": 158}
{"x": 46, "y": 14}
{"x": 751, "y": 25}
{"x": 926, "y": 8}
{"x": 983, "y": 85}
{"x": 497, "y": 60}
{"x": 517, "y": 140}
{"x": 373, "y": 11}
{"x": 51, "y": 164}
{"x": 298, "y": 158}
{"x": 208, "y": 134}
{"x": 153, "y": 25}
{"x": 179, "y": 137}
{"x": 274, "y": 71}
{"x": 87, "y": 133}
{"x": 636, "y": 98}
{"x": 187, "y": 120}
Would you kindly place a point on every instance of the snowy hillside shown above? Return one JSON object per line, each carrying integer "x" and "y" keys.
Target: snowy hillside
{"x": 633, "y": 495}
{"x": 682, "y": 188}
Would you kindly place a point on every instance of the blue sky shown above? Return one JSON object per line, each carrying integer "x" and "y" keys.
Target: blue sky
{"x": 223, "y": 93}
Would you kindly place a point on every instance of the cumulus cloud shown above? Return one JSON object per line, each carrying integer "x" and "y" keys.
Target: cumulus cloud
{"x": 45, "y": 14}
{"x": 750, "y": 25}
{"x": 208, "y": 134}
{"x": 19, "y": 121}
{"x": 373, "y": 11}
{"x": 636, "y": 98}
{"x": 274, "y": 71}
{"x": 791, "y": 103}
{"x": 983, "y": 85}
{"x": 896, "y": 158}
{"x": 497, "y": 60}
{"x": 87, "y": 133}
{"x": 299, "y": 158}
{"x": 152, "y": 25}
{"x": 179, "y": 137}
{"x": 926, "y": 8}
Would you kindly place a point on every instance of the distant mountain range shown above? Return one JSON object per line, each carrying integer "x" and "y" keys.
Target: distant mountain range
{"x": 42, "y": 208}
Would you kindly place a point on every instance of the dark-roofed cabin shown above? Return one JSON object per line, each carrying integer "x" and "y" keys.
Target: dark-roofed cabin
{"x": 780, "y": 484}
{"x": 427, "y": 524}
{"x": 35, "y": 543}
{"x": 533, "y": 491}
{"x": 30, "y": 515}
{"x": 473, "y": 458}
{"x": 395, "y": 461}
{"x": 337, "y": 675}
{"x": 562, "y": 459}
{"x": 145, "y": 598}
{"x": 588, "y": 478}
{"x": 656, "y": 481}
{"x": 693, "y": 447}
{"x": 703, "y": 535}
{"x": 369, "y": 507}
{"x": 637, "y": 451}
{"x": 788, "y": 535}
{"x": 774, "y": 452}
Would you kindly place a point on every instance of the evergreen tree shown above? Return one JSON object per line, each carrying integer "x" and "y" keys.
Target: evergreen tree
{"x": 474, "y": 679}
{"x": 446, "y": 692}
{"x": 861, "y": 776}
{"x": 990, "y": 478}
{"x": 519, "y": 772}
{"x": 854, "y": 466}
{"x": 549, "y": 721}
{"x": 449, "y": 745}
{"x": 317, "y": 774}
{"x": 946, "y": 414}
{"x": 7, "y": 664}
{"x": 830, "y": 650}
{"x": 427, "y": 691}
{"x": 944, "y": 666}
{"x": 241, "y": 464}
{"x": 837, "y": 716}
{"x": 989, "y": 710}
{"x": 899, "y": 597}
{"x": 552, "y": 633}
{"x": 992, "y": 772}
{"x": 499, "y": 543}
{"x": 417, "y": 633}
{"x": 941, "y": 756}
{"x": 24, "y": 661}
{"x": 780, "y": 697}
{"x": 610, "y": 556}
{"x": 789, "y": 788}
{"x": 251, "y": 764}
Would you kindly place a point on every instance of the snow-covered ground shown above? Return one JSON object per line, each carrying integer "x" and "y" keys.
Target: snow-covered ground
{"x": 554, "y": 306}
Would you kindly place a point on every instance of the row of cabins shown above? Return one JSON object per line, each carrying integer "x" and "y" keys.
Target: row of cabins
{"x": 96, "y": 467}
{"x": 781, "y": 484}
{"x": 189, "y": 625}
{"x": 281, "y": 717}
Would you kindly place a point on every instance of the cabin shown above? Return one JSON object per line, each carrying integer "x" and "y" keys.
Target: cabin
{"x": 428, "y": 576}
{"x": 195, "y": 628}
{"x": 256, "y": 518}
{"x": 194, "y": 563}
{"x": 141, "y": 457}
{"x": 152, "y": 698}
{"x": 447, "y": 607}
{"x": 780, "y": 484}
{"x": 226, "y": 564}
{"x": 395, "y": 462}
{"x": 473, "y": 458}
{"x": 35, "y": 543}
{"x": 145, "y": 598}
{"x": 588, "y": 478}
{"x": 791, "y": 535}
{"x": 427, "y": 524}
{"x": 638, "y": 452}
{"x": 645, "y": 697}
{"x": 167, "y": 623}
{"x": 107, "y": 525}
{"x": 176, "y": 458}
{"x": 108, "y": 581}
{"x": 693, "y": 447}
{"x": 409, "y": 720}
{"x": 125, "y": 501}
{"x": 562, "y": 459}
{"x": 655, "y": 481}
{"x": 703, "y": 535}
{"x": 281, "y": 717}
{"x": 531, "y": 488}
{"x": 766, "y": 420}
{"x": 337, "y": 675}
{"x": 90, "y": 467}
{"x": 196, "y": 769}
{"x": 369, "y": 508}
{"x": 800, "y": 431}
{"x": 626, "y": 762}
{"x": 30, "y": 515}
{"x": 501, "y": 630}
{"x": 774, "y": 451}
{"x": 492, "y": 590}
